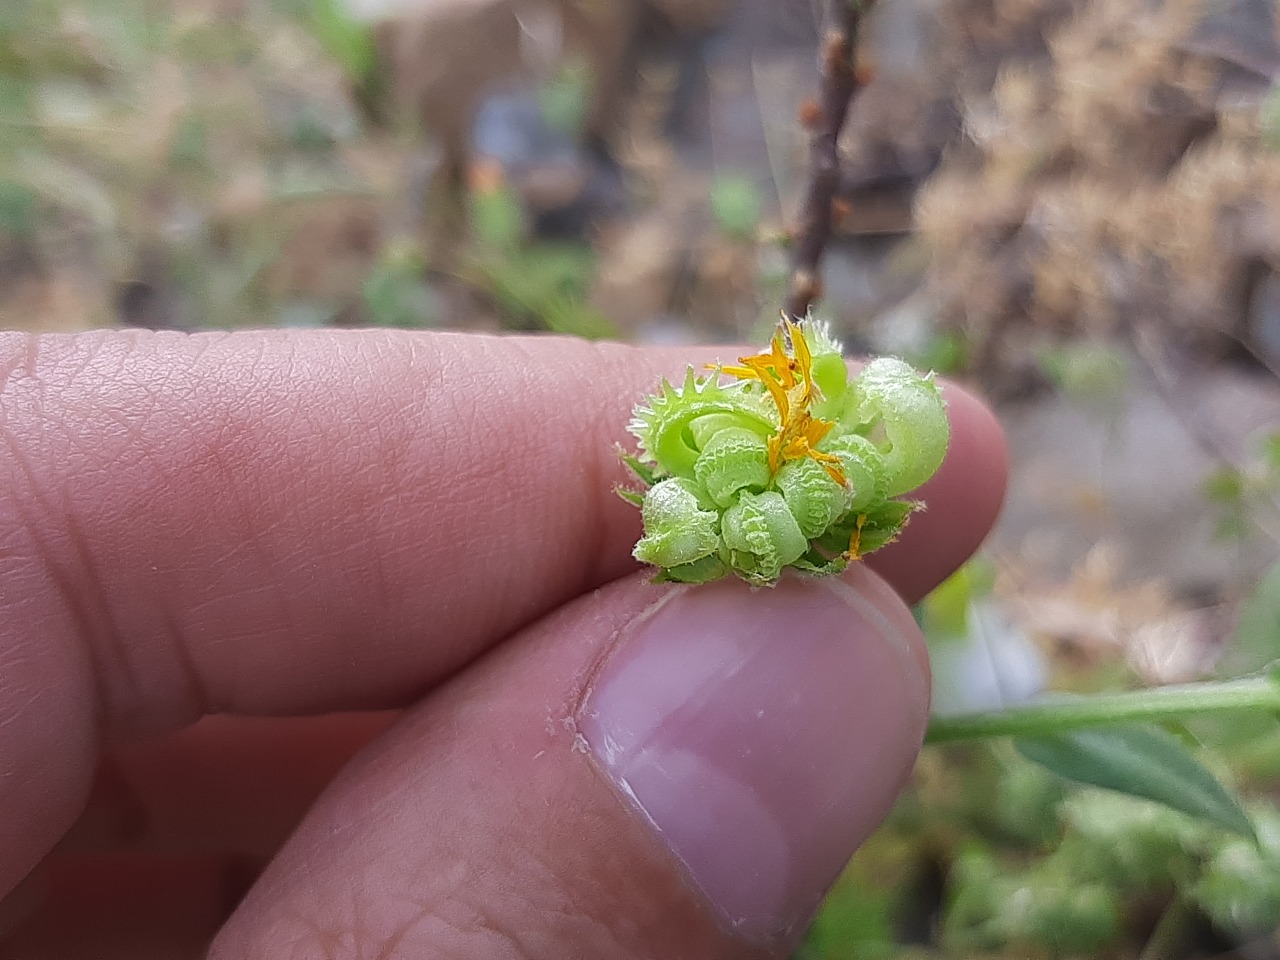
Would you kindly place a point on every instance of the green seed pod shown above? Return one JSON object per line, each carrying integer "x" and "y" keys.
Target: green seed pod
{"x": 678, "y": 530}
{"x": 762, "y": 536}
{"x": 813, "y": 498}
{"x": 732, "y": 460}
{"x": 864, "y": 469}
{"x": 889, "y": 397}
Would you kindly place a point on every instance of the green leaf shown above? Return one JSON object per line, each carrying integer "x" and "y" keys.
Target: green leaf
{"x": 1143, "y": 762}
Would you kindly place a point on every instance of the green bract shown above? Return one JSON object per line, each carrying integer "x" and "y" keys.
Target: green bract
{"x": 784, "y": 461}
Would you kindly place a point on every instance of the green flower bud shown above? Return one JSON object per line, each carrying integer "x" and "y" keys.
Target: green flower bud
{"x": 762, "y": 536}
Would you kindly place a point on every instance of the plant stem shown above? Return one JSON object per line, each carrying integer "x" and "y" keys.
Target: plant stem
{"x": 1061, "y": 714}
{"x": 841, "y": 81}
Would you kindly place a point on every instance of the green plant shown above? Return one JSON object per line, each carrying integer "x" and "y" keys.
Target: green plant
{"x": 791, "y": 463}
{"x": 544, "y": 281}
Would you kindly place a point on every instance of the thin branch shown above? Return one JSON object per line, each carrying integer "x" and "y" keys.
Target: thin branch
{"x": 842, "y": 78}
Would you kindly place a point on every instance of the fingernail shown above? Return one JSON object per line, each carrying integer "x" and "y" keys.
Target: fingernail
{"x": 764, "y": 734}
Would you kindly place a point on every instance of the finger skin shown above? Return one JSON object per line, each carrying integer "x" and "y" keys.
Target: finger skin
{"x": 125, "y": 907}
{"x": 187, "y": 818}
{"x": 224, "y": 786}
{"x": 299, "y": 522}
{"x": 436, "y": 841}
{"x": 482, "y": 828}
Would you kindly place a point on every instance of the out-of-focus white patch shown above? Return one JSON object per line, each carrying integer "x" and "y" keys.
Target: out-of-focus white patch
{"x": 994, "y": 666}
{"x": 371, "y": 11}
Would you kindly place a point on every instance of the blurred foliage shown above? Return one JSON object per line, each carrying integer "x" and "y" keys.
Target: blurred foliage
{"x": 1093, "y": 374}
{"x": 944, "y": 614}
{"x": 984, "y": 664}
{"x": 396, "y": 293}
{"x": 1240, "y": 885}
{"x": 1270, "y": 118}
{"x": 946, "y": 352}
{"x": 1257, "y": 637}
{"x": 992, "y": 855}
{"x": 1006, "y": 862}
{"x": 546, "y": 282}
{"x": 347, "y": 40}
{"x": 180, "y": 149}
{"x": 564, "y": 98}
{"x": 735, "y": 203}
{"x": 192, "y": 166}
{"x": 1245, "y": 494}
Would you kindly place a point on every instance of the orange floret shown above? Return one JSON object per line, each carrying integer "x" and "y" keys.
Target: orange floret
{"x": 788, "y": 376}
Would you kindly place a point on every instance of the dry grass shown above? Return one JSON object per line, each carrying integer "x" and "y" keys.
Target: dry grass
{"x": 1099, "y": 184}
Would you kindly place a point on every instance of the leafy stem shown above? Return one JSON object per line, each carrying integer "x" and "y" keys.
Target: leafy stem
{"x": 1061, "y": 714}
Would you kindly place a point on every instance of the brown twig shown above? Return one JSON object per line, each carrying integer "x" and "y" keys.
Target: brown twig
{"x": 842, "y": 77}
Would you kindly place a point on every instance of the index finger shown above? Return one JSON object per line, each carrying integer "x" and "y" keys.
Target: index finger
{"x": 287, "y": 522}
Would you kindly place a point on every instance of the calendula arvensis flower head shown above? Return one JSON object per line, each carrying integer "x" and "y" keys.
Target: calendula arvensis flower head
{"x": 782, "y": 460}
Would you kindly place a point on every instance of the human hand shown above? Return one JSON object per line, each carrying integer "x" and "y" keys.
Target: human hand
{"x": 276, "y": 527}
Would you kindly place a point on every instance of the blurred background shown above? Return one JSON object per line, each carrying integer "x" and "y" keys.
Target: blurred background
{"x": 1073, "y": 205}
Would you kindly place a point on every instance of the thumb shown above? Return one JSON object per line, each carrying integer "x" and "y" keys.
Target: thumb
{"x": 650, "y": 772}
